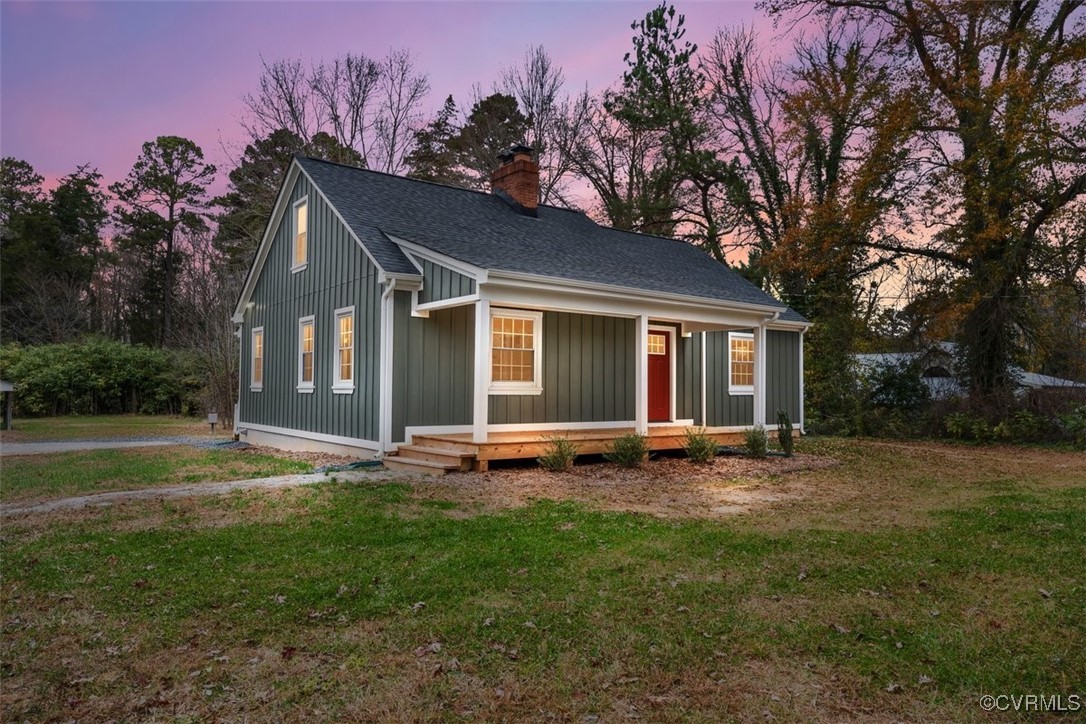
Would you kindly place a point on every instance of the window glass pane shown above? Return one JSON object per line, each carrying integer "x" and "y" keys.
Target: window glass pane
{"x": 307, "y": 352}
{"x": 742, "y": 362}
{"x": 301, "y": 226}
{"x": 513, "y": 349}
{"x": 657, "y": 344}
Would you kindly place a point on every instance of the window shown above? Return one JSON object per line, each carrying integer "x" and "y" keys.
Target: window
{"x": 741, "y": 363}
{"x": 301, "y": 235}
{"x": 516, "y": 352}
{"x": 256, "y": 370}
{"x": 306, "y": 354}
{"x": 657, "y": 344}
{"x": 344, "y": 359}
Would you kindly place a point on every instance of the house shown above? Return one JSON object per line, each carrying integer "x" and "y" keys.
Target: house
{"x": 937, "y": 367}
{"x": 439, "y": 327}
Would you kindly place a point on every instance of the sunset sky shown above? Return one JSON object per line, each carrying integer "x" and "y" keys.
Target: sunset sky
{"x": 91, "y": 81}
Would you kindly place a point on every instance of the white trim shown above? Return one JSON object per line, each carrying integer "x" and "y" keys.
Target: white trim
{"x": 422, "y": 252}
{"x": 307, "y": 435}
{"x": 672, "y": 423}
{"x": 480, "y": 409}
{"x": 341, "y": 386}
{"x": 388, "y": 305}
{"x": 802, "y": 407}
{"x": 641, "y": 375}
{"x": 257, "y": 386}
{"x": 239, "y": 331}
{"x": 759, "y": 375}
{"x": 672, "y": 341}
{"x": 424, "y": 309}
{"x": 549, "y": 426}
{"x": 304, "y": 386}
{"x": 411, "y": 431}
{"x": 704, "y": 381}
{"x": 634, "y": 295}
{"x": 742, "y": 390}
{"x": 535, "y": 387}
{"x": 295, "y": 265}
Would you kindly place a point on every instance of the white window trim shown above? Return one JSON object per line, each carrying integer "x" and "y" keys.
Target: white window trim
{"x": 257, "y": 386}
{"x": 740, "y": 389}
{"x": 340, "y": 386}
{"x": 307, "y": 387}
{"x": 535, "y": 387}
{"x": 295, "y": 268}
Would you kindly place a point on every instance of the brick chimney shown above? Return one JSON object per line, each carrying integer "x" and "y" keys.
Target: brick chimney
{"x": 517, "y": 180}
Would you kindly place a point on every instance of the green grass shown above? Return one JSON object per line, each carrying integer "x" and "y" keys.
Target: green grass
{"x": 75, "y": 427}
{"x": 317, "y": 603}
{"x": 62, "y": 474}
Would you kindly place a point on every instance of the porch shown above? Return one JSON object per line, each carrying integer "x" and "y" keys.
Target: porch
{"x": 442, "y": 453}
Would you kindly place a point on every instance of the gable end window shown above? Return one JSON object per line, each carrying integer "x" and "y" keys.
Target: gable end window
{"x": 256, "y": 367}
{"x": 516, "y": 352}
{"x": 740, "y": 363}
{"x": 300, "y": 228}
{"x": 344, "y": 352}
{"x": 307, "y": 352}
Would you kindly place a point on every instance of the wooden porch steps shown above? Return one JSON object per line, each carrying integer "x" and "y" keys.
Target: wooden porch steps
{"x": 429, "y": 460}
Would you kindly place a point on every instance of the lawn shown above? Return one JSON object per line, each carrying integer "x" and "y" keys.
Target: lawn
{"x": 75, "y": 427}
{"x": 34, "y": 477}
{"x": 923, "y": 578}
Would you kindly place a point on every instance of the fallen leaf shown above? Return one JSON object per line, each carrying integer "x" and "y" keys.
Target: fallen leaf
{"x": 431, "y": 648}
{"x": 1043, "y": 592}
{"x": 839, "y": 628}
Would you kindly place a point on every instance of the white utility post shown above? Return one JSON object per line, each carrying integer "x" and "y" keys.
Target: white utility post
{"x": 641, "y": 374}
{"x": 480, "y": 406}
{"x": 759, "y": 374}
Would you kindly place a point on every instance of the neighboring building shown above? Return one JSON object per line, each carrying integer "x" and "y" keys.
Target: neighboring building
{"x": 937, "y": 367}
{"x": 390, "y": 316}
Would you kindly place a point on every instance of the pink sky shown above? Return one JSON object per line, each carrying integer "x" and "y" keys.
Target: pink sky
{"x": 91, "y": 81}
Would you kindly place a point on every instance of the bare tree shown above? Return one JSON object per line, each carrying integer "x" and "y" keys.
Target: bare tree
{"x": 373, "y": 107}
{"x": 401, "y": 90}
{"x": 537, "y": 83}
{"x": 207, "y": 293}
{"x": 344, "y": 90}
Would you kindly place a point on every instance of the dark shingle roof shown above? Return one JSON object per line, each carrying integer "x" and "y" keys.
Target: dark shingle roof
{"x": 483, "y": 230}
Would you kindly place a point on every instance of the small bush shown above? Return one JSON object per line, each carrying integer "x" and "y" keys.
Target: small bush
{"x": 699, "y": 447}
{"x": 784, "y": 433}
{"x": 559, "y": 454}
{"x": 958, "y": 424}
{"x": 1074, "y": 425}
{"x": 757, "y": 442}
{"x": 629, "y": 451}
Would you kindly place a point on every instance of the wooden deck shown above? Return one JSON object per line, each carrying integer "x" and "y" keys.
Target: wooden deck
{"x": 439, "y": 454}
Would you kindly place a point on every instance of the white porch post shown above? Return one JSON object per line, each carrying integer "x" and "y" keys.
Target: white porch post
{"x": 759, "y": 375}
{"x": 641, "y": 375}
{"x": 480, "y": 406}
{"x": 802, "y": 408}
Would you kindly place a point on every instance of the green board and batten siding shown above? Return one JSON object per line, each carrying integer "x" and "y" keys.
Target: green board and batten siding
{"x": 338, "y": 275}
{"x": 435, "y": 359}
{"x": 782, "y": 381}
{"x": 440, "y": 283}
{"x": 597, "y": 355}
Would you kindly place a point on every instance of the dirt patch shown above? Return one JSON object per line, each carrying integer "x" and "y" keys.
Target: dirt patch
{"x": 316, "y": 459}
{"x": 666, "y": 487}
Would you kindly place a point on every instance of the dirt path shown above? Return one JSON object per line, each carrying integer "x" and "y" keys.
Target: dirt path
{"x": 102, "y": 500}
{"x": 43, "y": 448}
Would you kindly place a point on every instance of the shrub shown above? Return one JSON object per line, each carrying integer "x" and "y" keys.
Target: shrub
{"x": 784, "y": 433}
{"x": 559, "y": 454}
{"x": 757, "y": 442}
{"x": 1074, "y": 425}
{"x": 958, "y": 424}
{"x": 699, "y": 447}
{"x": 629, "y": 451}
{"x": 97, "y": 376}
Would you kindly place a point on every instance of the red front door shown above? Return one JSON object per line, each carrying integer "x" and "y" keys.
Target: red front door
{"x": 659, "y": 376}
